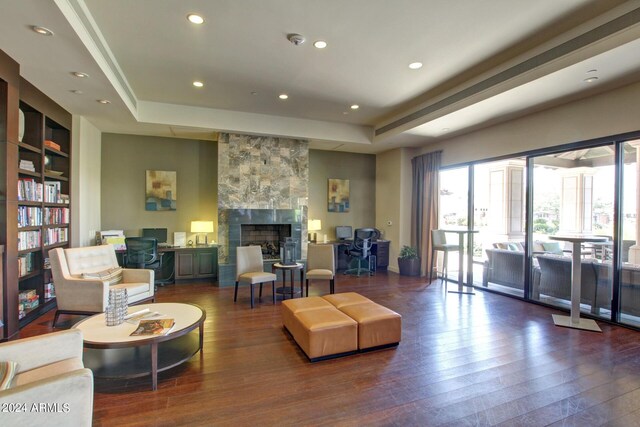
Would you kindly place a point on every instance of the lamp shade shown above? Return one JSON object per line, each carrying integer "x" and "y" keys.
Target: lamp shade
{"x": 202, "y": 226}
{"x": 314, "y": 225}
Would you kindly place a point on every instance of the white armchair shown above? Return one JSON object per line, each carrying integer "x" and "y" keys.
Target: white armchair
{"x": 87, "y": 296}
{"x": 52, "y": 387}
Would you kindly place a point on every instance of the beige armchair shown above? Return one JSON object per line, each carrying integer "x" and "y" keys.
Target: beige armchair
{"x": 50, "y": 373}
{"x": 78, "y": 295}
{"x": 321, "y": 265}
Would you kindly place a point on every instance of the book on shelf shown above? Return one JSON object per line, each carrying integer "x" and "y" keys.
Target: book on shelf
{"x": 27, "y": 165}
{"x": 50, "y": 144}
{"x": 153, "y": 327}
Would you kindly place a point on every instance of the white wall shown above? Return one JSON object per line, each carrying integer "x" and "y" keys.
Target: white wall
{"x": 85, "y": 185}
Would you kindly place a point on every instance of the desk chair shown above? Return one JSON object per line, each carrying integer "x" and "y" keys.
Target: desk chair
{"x": 439, "y": 243}
{"x": 250, "y": 269}
{"x": 360, "y": 249}
{"x": 142, "y": 252}
{"x": 321, "y": 265}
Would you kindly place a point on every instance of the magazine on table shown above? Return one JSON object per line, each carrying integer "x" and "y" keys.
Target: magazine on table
{"x": 153, "y": 327}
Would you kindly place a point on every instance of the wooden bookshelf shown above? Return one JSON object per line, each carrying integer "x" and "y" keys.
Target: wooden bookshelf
{"x": 27, "y": 158}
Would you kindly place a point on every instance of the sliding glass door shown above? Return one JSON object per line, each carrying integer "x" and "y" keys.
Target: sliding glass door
{"x": 499, "y": 217}
{"x": 453, "y": 210}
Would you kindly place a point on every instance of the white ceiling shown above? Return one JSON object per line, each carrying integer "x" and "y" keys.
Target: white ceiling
{"x": 143, "y": 55}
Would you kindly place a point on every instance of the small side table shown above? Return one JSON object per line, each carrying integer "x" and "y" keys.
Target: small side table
{"x": 575, "y": 321}
{"x": 290, "y": 268}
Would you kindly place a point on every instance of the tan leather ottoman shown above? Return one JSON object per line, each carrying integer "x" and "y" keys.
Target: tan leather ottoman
{"x": 292, "y": 306}
{"x": 345, "y": 299}
{"x": 378, "y": 326}
{"x": 320, "y": 331}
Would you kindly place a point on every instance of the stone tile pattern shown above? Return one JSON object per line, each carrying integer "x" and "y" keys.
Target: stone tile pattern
{"x": 261, "y": 173}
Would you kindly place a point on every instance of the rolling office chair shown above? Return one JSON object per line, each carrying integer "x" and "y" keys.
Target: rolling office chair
{"x": 360, "y": 249}
{"x": 142, "y": 252}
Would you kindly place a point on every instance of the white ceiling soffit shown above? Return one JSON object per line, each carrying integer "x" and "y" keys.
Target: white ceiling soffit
{"x": 438, "y": 116}
{"x": 491, "y": 96}
{"x": 79, "y": 17}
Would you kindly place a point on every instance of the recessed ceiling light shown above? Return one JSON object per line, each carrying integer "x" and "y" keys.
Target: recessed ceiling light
{"x": 445, "y": 129}
{"x": 320, "y": 44}
{"x": 195, "y": 19}
{"x": 80, "y": 74}
{"x": 254, "y": 93}
{"x": 198, "y": 84}
{"x": 415, "y": 65}
{"x": 103, "y": 101}
{"x": 355, "y": 106}
{"x": 283, "y": 96}
{"x": 592, "y": 71}
{"x": 76, "y": 91}
{"x": 591, "y": 79}
{"x": 42, "y": 30}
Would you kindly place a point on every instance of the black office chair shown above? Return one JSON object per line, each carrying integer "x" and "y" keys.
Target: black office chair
{"x": 142, "y": 252}
{"x": 360, "y": 249}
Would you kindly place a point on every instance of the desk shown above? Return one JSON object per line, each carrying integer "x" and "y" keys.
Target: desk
{"x": 290, "y": 268}
{"x": 461, "y": 234}
{"x": 185, "y": 262}
{"x": 574, "y": 321}
{"x": 379, "y": 248}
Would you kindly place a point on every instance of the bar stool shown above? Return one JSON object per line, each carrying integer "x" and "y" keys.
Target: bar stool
{"x": 439, "y": 243}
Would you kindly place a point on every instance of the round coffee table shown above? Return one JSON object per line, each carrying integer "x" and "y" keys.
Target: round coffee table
{"x": 111, "y": 352}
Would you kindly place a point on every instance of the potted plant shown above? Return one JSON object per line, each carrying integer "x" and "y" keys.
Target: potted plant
{"x": 408, "y": 261}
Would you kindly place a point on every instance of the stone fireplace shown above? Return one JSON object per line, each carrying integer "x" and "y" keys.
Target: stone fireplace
{"x": 267, "y": 236}
{"x": 262, "y": 197}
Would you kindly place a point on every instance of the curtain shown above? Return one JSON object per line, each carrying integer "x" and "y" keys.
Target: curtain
{"x": 424, "y": 204}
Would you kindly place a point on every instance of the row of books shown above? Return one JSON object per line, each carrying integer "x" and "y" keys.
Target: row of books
{"x": 26, "y": 264}
{"x": 27, "y": 300}
{"x": 29, "y": 216}
{"x": 49, "y": 291}
{"x": 27, "y": 165}
{"x": 28, "y": 240}
{"x": 56, "y": 216}
{"x": 31, "y": 191}
{"x": 52, "y": 193}
{"x": 55, "y": 235}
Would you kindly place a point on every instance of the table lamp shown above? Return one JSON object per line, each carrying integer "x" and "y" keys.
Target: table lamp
{"x": 202, "y": 227}
{"x": 314, "y": 225}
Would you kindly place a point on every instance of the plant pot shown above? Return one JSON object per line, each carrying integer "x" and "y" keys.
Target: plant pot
{"x": 409, "y": 266}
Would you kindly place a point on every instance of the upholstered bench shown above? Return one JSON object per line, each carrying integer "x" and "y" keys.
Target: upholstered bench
{"x": 340, "y": 324}
{"x": 319, "y": 328}
{"x": 378, "y": 326}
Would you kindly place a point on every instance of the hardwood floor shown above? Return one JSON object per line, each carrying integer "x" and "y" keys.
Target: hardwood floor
{"x": 464, "y": 360}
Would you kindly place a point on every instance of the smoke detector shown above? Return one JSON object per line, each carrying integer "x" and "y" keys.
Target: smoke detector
{"x": 296, "y": 39}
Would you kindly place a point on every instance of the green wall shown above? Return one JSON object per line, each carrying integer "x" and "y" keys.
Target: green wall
{"x": 360, "y": 170}
{"x": 125, "y": 160}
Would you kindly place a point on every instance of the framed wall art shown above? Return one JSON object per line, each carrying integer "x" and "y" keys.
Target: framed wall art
{"x": 338, "y": 195}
